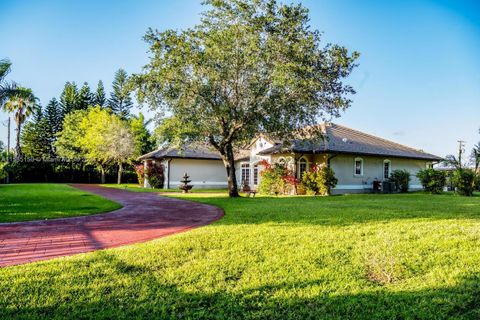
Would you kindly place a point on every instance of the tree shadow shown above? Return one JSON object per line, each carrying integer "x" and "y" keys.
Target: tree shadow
{"x": 138, "y": 291}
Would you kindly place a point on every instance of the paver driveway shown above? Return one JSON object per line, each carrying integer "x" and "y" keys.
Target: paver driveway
{"x": 144, "y": 216}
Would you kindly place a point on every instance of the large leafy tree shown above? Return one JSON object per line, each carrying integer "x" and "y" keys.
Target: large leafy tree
{"x": 120, "y": 98}
{"x": 99, "y": 97}
{"x": 249, "y": 67}
{"x": 22, "y": 103}
{"x": 118, "y": 143}
{"x": 98, "y": 137}
{"x": 67, "y": 143}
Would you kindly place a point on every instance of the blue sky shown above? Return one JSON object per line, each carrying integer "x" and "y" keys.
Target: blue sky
{"x": 418, "y": 82}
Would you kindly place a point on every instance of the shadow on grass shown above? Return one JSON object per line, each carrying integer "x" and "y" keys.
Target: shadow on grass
{"x": 138, "y": 291}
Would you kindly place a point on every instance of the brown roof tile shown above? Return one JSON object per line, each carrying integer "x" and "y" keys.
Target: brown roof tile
{"x": 340, "y": 139}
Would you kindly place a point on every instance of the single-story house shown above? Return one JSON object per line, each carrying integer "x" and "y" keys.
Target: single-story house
{"x": 358, "y": 159}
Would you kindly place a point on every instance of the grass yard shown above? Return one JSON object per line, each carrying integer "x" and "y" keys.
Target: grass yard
{"x": 409, "y": 256}
{"x": 24, "y": 202}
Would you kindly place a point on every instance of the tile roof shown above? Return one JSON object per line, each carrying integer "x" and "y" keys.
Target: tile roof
{"x": 340, "y": 139}
{"x": 192, "y": 151}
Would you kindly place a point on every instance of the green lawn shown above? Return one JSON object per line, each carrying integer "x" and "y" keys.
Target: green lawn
{"x": 412, "y": 256}
{"x": 24, "y": 202}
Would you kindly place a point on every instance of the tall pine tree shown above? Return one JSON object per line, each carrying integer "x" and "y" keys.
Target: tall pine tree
{"x": 69, "y": 99}
{"x": 35, "y": 140}
{"x": 53, "y": 114}
{"x": 99, "y": 98}
{"x": 144, "y": 141}
{"x": 85, "y": 97}
{"x": 120, "y": 100}
{"x": 53, "y": 117}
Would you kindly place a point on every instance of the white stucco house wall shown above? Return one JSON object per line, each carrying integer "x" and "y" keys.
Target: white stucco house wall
{"x": 357, "y": 158}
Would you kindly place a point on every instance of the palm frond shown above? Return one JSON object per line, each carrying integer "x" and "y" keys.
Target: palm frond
{"x": 4, "y": 68}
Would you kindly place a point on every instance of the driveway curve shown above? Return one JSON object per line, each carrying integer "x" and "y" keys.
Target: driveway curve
{"x": 144, "y": 216}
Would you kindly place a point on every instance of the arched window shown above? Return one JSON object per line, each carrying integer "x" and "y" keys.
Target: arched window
{"x": 387, "y": 168}
{"x": 302, "y": 167}
{"x": 281, "y": 161}
{"x": 358, "y": 167}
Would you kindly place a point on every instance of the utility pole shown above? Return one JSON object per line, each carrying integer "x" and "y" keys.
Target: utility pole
{"x": 461, "y": 150}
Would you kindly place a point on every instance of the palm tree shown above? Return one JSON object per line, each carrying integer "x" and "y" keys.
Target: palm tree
{"x": 23, "y": 103}
{"x": 6, "y": 88}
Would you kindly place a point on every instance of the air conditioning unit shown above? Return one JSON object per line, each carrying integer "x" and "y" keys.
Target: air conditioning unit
{"x": 388, "y": 187}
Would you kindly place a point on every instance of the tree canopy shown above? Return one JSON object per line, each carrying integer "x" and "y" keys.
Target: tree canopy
{"x": 120, "y": 98}
{"x": 36, "y": 137}
{"x": 99, "y": 98}
{"x": 85, "y": 97}
{"x": 249, "y": 67}
{"x": 69, "y": 98}
{"x": 96, "y": 136}
{"x": 143, "y": 139}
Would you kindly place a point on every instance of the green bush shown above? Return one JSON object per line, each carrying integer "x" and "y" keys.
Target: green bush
{"x": 272, "y": 181}
{"x": 432, "y": 180}
{"x": 155, "y": 174}
{"x": 3, "y": 172}
{"x": 464, "y": 181}
{"x": 319, "y": 181}
{"x": 401, "y": 179}
{"x": 477, "y": 182}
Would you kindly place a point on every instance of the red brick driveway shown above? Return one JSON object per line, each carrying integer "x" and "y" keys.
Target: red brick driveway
{"x": 144, "y": 216}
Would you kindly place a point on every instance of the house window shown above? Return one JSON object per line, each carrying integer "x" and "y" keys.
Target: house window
{"x": 281, "y": 161}
{"x": 387, "y": 166}
{"x": 358, "y": 167}
{"x": 255, "y": 174}
{"x": 245, "y": 173}
{"x": 302, "y": 167}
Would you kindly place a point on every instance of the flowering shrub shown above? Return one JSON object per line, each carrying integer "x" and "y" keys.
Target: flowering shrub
{"x": 319, "y": 180}
{"x": 155, "y": 175}
{"x": 277, "y": 179}
{"x": 140, "y": 171}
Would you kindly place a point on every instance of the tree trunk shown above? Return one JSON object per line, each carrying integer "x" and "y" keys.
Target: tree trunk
{"x": 120, "y": 170}
{"x": 229, "y": 162}
{"x": 18, "y": 150}
{"x": 102, "y": 178}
